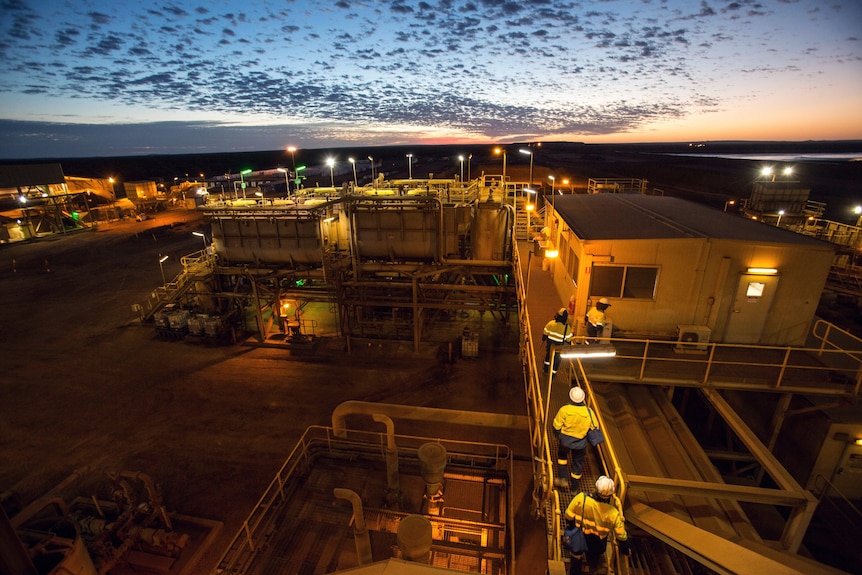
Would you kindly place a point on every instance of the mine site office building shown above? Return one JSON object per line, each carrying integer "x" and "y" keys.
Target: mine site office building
{"x": 666, "y": 262}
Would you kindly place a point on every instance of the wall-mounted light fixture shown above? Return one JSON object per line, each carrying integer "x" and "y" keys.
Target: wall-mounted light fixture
{"x": 551, "y": 253}
{"x": 762, "y": 271}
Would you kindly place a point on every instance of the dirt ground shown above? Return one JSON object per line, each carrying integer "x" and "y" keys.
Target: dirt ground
{"x": 85, "y": 384}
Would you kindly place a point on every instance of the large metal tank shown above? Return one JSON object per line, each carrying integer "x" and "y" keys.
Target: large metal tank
{"x": 394, "y": 231}
{"x": 490, "y": 232}
{"x": 283, "y": 241}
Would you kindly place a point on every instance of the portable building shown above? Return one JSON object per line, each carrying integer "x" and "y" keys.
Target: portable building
{"x": 670, "y": 267}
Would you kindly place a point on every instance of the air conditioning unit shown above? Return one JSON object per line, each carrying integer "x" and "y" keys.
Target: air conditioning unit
{"x": 692, "y": 338}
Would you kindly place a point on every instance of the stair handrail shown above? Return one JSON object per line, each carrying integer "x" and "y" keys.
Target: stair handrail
{"x": 824, "y": 491}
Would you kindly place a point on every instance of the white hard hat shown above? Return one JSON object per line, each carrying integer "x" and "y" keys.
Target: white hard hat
{"x": 576, "y": 394}
{"x": 605, "y": 486}
{"x": 605, "y": 301}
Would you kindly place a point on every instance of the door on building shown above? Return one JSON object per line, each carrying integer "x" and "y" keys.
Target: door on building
{"x": 750, "y": 309}
{"x": 848, "y": 475}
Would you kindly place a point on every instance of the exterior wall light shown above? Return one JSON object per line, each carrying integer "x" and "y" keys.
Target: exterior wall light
{"x": 762, "y": 271}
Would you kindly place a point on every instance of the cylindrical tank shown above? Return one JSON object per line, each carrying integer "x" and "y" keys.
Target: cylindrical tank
{"x": 262, "y": 241}
{"x": 490, "y": 231}
{"x": 415, "y": 538}
{"x": 432, "y": 466}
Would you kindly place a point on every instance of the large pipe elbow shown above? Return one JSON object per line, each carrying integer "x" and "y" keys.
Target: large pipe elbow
{"x": 390, "y": 430}
{"x": 360, "y": 531}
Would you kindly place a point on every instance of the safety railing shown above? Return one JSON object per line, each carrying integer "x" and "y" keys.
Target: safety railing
{"x": 834, "y": 367}
{"x": 850, "y": 513}
{"x": 257, "y": 529}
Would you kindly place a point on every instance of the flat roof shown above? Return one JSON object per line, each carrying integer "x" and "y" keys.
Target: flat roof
{"x": 638, "y": 217}
{"x": 26, "y": 175}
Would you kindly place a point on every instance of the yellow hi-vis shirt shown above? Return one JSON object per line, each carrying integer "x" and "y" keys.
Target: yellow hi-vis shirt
{"x": 558, "y": 332}
{"x": 573, "y": 420}
{"x": 596, "y": 517}
{"x": 596, "y": 317}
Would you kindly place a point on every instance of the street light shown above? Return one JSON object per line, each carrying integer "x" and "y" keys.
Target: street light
{"x": 355, "y": 182}
{"x": 529, "y": 153}
{"x": 292, "y": 151}
{"x": 162, "y": 267}
{"x": 331, "y": 163}
{"x": 286, "y": 180}
{"x": 469, "y": 163}
{"x": 242, "y": 180}
{"x": 461, "y": 159}
{"x": 409, "y": 166}
{"x": 203, "y": 237}
{"x": 729, "y": 203}
{"x": 502, "y": 151}
{"x": 780, "y": 213}
{"x": 553, "y": 184}
{"x": 373, "y": 181}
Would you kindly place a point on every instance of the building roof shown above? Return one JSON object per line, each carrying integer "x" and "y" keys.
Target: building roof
{"x": 637, "y": 217}
{"x": 26, "y": 175}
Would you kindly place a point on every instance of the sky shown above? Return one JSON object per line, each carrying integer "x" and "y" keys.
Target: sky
{"x": 89, "y": 78}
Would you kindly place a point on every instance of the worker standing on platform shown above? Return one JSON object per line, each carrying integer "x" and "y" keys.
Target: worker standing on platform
{"x": 556, "y": 332}
{"x": 571, "y": 424}
{"x": 597, "y": 517}
{"x": 596, "y": 319}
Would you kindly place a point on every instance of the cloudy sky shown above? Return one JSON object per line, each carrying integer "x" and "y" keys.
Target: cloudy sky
{"x": 119, "y": 77}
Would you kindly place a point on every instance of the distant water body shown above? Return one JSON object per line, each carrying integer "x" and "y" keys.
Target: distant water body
{"x": 786, "y": 158}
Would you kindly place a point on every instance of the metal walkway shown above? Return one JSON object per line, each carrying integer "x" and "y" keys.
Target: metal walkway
{"x": 668, "y": 489}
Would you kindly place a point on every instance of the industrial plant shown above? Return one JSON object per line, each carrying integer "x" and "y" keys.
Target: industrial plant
{"x": 727, "y": 405}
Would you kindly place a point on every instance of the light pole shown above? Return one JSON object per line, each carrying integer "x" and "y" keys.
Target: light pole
{"x": 529, "y": 153}
{"x": 729, "y": 203}
{"x": 203, "y": 237}
{"x": 162, "y": 267}
{"x": 292, "y": 150}
{"x": 286, "y": 179}
{"x": 778, "y": 223}
{"x": 553, "y": 192}
{"x": 409, "y": 166}
{"x": 242, "y": 180}
{"x": 461, "y": 159}
{"x": 502, "y": 151}
{"x": 373, "y": 181}
{"x": 469, "y": 163}
{"x": 331, "y": 163}
{"x": 355, "y": 182}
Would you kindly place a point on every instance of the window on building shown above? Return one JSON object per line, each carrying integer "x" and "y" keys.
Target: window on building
{"x": 573, "y": 266}
{"x": 627, "y": 282}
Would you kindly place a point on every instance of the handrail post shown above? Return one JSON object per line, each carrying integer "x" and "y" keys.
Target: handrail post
{"x": 712, "y": 348}
{"x": 783, "y": 367}
{"x": 643, "y": 360}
